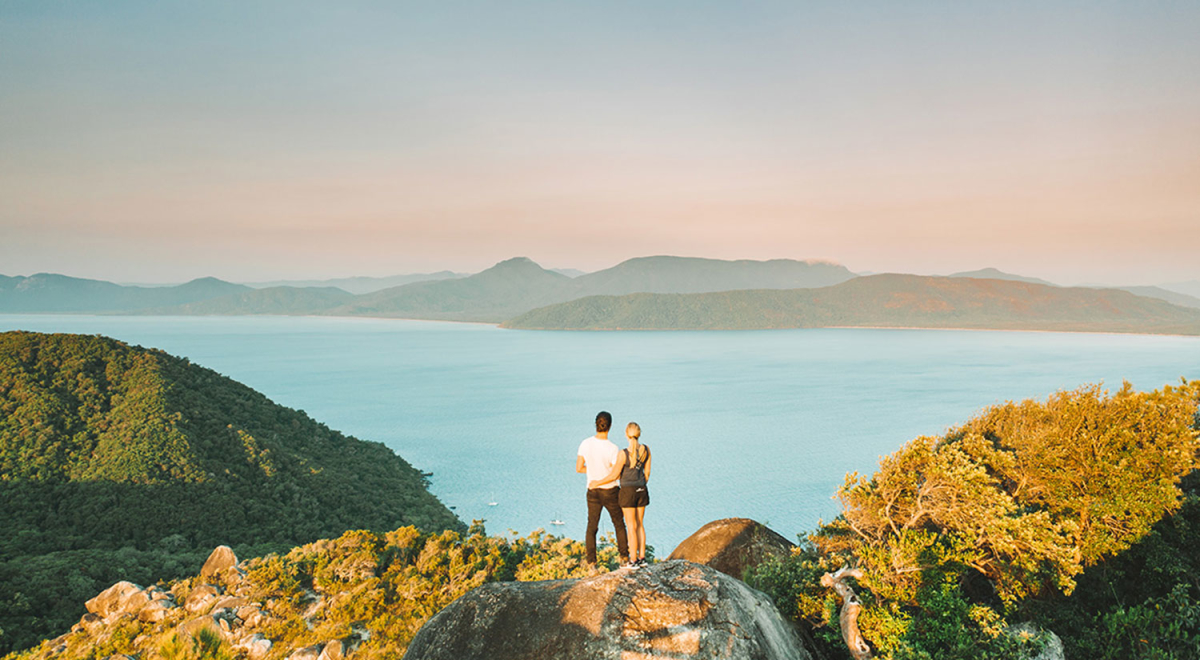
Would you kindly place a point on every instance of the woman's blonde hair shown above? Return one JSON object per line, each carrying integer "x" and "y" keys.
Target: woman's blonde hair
{"x": 634, "y": 425}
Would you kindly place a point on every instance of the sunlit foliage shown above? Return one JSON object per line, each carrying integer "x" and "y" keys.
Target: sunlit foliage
{"x": 373, "y": 590}
{"x": 999, "y": 514}
{"x": 118, "y": 462}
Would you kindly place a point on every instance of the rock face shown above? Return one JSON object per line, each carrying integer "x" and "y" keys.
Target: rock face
{"x": 120, "y": 598}
{"x": 732, "y": 545}
{"x": 127, "y": 598}
{"x": 222, "y": 559}
{"x": 674, "y": 609}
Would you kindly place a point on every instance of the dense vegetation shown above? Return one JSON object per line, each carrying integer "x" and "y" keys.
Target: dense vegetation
{"x": 374, "y": 589}
{"x": 875, "y": 301}
{"x": 1047, "y": 512}
{"x": 118, "y": 462}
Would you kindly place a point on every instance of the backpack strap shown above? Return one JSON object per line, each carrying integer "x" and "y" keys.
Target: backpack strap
{"x": 641, "y": 461}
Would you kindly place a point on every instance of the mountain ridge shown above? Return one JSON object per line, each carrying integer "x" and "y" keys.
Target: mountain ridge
{"x": 507, "y": 291}
{"x": 361, "y": 284}
{"x": 50, "y": 292}
{"x": 990, "y": 273}
{"x": 886, "y": 300}
{"x": 277, "y": 300}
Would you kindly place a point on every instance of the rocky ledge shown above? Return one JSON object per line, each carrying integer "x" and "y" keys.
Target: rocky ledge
{"x": 675, "y": 609}
{"x": 733, "y": 545}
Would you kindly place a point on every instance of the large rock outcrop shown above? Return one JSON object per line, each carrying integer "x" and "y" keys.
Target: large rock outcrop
{"x": 128, "y": 599}
{"x": 732, "y": 545}
{"x": 675, "y": 609}
{"x": 221, "y": 561}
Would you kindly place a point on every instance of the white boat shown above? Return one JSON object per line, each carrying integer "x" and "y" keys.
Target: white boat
{"x": 493, "y": 503}
{"x": 556, "y": 521}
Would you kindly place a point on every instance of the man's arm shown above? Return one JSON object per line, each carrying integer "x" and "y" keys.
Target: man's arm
{"x": 613, "y": 474}
{"x": 580, "y": 466}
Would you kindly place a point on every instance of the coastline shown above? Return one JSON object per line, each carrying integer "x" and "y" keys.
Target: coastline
{"x": 501, "y": 325}
{"x": 862, "y": 327}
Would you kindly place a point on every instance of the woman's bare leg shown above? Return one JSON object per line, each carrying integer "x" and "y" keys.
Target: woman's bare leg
{"x": 631, "y": 531}
{"x": 639, "y": 515}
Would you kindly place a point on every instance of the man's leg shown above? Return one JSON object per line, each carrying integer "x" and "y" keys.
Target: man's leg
{"x": 593, "y": 525}
{"x": 612, "y": 502}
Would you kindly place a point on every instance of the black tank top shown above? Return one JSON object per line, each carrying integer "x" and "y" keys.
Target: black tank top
{"x": 634, "y": 475}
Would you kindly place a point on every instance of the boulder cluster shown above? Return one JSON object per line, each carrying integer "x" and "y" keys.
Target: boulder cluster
{"x": 693, "y": 606}
{"x": 215, "y": 603}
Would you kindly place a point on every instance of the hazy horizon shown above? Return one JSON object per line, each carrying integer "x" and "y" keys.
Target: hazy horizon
{"x": 154, "y": 283}
{"x": 160, "y": 142}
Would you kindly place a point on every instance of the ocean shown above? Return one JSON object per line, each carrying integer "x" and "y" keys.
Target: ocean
{"x": 758, "y": 424}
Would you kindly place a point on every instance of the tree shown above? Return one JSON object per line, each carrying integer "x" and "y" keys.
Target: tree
{"x": 1019, "y": 499}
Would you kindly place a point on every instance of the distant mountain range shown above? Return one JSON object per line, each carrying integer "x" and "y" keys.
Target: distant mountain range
{"x": 691, "y": 275}
{"x": 276, "y": 300}
{"x": 1189, "y": 288}
{"x": 501, "y": 292}
{"x": 888, "y": 300}
{"x": 657, "y": 292}
{"x": 47, "y": 292}
{"x": 509, "y": 288}
{"x": 359, "y": 285}
{"x": 1175, "y": 297}
{"x": 519, "y": 285}
{"x": 569, "y": 272}
{"x": 995, "y": 274}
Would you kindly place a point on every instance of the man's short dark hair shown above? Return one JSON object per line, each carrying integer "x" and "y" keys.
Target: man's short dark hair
{"x": 603, "y": 422}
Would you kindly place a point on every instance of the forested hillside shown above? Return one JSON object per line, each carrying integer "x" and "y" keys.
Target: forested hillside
{"x": 118, "y": 462}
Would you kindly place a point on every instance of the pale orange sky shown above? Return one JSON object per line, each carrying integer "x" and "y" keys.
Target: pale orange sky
{"x": 143, "y": 143}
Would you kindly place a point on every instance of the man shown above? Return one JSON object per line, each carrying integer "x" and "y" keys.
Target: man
{"x": 596, "y": 457}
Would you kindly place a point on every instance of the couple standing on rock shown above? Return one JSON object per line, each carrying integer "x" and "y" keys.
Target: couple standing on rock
{"x": 616, "y": 480}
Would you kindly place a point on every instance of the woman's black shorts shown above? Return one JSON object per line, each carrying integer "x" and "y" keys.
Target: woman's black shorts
{"x": 633, "y": 496}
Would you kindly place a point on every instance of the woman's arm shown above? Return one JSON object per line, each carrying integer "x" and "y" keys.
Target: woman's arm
{"x": 612, "y": 475}
{"x": 646, "y": 470}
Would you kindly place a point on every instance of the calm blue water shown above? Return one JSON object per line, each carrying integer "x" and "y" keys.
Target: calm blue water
{"x": 758, "y": 424}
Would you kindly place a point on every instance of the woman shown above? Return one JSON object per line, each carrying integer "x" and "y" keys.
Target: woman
{"x": 633, "y": 468}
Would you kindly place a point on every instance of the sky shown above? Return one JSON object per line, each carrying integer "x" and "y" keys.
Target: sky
{"x": 162, "y": 141}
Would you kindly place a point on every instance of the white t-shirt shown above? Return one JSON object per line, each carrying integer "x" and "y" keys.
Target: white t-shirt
{"x": 599, "y": 456}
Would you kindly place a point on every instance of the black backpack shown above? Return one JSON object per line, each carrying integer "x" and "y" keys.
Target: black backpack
{"x": 635, "y": 475}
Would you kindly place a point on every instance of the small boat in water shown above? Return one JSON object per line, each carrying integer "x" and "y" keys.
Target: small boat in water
{"x": 556, "y": 521}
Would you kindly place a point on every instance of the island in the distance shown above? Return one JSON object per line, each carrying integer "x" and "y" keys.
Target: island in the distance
{"x": 651, "y": 293}
{"x": 883, "y": 301}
